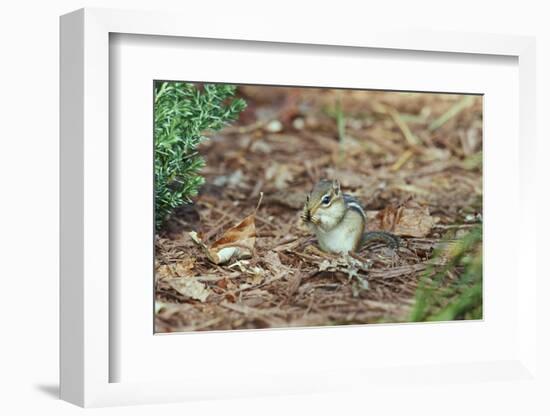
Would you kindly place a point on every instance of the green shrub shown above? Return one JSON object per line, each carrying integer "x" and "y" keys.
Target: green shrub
{"x": 184, "y": 113}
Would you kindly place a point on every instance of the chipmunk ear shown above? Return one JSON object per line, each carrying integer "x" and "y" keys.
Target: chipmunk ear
{"x": 336, "y": 186}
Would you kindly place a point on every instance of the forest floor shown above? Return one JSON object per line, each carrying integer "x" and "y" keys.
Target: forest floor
{"x": 415, "y": 162}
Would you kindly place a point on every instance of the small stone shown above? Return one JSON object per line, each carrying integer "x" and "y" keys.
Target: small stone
{"x": 274, "y": 126}
{"x": 298, "y": 123}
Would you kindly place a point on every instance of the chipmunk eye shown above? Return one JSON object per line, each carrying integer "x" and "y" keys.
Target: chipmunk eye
{"x": 325, "y": 200}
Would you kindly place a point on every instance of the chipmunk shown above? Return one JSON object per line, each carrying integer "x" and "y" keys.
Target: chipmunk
{"x": 338, "y": 220}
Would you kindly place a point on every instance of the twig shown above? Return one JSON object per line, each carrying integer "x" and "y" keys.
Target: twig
{"x": 455, "y": 109}
{"x": 411, "y": 139}
{"x": 404, "y": 158}
{"x": 245, "y": 129}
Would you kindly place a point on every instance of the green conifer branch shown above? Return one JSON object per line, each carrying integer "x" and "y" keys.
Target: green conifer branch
{"x": 184, "y": 114}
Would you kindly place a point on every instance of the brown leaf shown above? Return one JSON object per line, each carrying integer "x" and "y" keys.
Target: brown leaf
{"x": 190, "y": 287}
{"x": 236, "y": 242}
{"x": 178, "y": 269}
{"x": 231, "y": 297}
{"x": 183, "y": 268}
{"x": 413, "y": 221}
{"x": 164, "y": 271}
{"x": 272, "y": 259}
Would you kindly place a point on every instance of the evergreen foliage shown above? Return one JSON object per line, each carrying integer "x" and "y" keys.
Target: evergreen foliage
{"x": 184, "y": 114}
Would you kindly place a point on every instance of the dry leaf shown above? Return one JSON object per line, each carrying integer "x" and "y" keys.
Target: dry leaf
{"x": 190, "y": 287}
{"x": 182, "y": 268}
{"x": 414, "y": 221}
{"x": 349, "y": 265}
{"x": 164, "y": 271}
{"x": 178, "y": 269}
{"x": 236, "y": 242}
{"x": 272, "y": 259}
{"x": 255, "y": 273}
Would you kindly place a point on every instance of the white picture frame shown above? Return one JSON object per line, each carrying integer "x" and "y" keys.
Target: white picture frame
{"x": 87, "y": 302}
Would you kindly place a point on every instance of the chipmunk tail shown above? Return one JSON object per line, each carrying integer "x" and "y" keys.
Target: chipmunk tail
{"x": 390, "y": 239}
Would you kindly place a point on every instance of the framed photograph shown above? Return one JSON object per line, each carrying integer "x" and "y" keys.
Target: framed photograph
{"x": 281, "y": 213}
